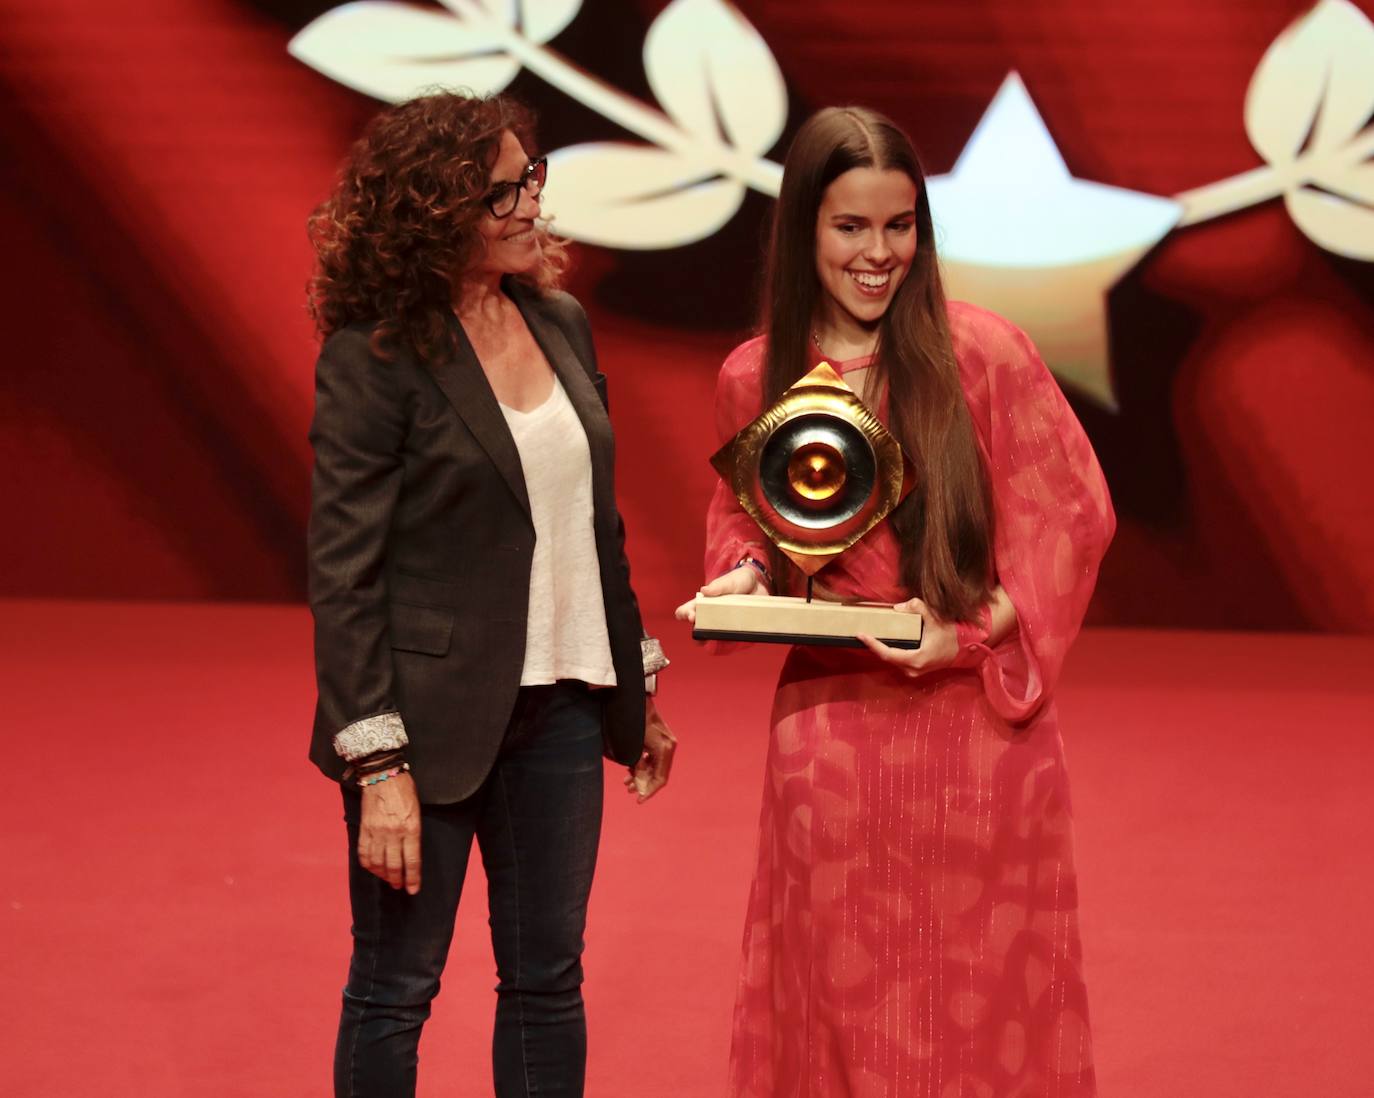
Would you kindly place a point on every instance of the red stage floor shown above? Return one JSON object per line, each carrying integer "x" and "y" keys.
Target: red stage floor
{"x": 174, "y": 917}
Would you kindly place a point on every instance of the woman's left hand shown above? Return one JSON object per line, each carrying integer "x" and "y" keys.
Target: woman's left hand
{"x": 650, "y": 774}
{"x": 939, "y": 643}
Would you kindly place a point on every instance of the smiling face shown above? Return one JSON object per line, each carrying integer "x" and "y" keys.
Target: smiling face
{"x": 512, "y": 245}
{"x": 865, "y": 242}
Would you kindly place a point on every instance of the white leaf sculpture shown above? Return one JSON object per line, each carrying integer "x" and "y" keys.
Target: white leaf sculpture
{"x": 506, "y": 12}
{"x": 1318, "y": 73}
{"x": 1339, "y": 226}
{"x": 394, "y": 51}
{"x": 1355, "y": 183}
{"x": 542, "y": 20}
{"x": 1307, "y": 111}
{"x": 635, "y": 196}
{"x": 536, "y": 20}
{"x": 706, "y": 62}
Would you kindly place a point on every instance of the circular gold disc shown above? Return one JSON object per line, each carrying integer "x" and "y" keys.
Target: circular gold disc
{"x": 816, "y": 472}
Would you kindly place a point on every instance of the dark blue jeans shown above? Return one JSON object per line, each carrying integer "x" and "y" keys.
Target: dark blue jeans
{"x": 537, "y": 821}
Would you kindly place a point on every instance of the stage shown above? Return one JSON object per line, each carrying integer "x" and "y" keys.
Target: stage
{"x": 175, "y": 920}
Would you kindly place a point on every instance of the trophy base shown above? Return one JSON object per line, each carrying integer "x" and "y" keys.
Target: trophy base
{"x": 776, "y": 619}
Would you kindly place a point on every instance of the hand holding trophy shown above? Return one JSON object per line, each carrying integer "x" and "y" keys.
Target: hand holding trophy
{"x": 817, "y": 471}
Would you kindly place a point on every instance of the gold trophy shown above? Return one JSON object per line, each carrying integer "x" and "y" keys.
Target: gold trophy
{"x": 817, "y": 471}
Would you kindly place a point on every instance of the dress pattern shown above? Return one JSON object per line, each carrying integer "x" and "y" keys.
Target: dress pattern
{"x": 912, "y": 927}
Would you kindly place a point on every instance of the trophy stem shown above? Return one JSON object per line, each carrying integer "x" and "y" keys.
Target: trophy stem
{"x": 810, "y": 583}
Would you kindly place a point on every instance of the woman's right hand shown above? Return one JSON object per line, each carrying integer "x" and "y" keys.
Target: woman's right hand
{"x": 389, "y": 834}
{"x": 744, "y": 580}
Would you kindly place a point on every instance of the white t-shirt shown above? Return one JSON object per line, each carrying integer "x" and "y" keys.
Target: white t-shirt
{"x": 566, "y": 636}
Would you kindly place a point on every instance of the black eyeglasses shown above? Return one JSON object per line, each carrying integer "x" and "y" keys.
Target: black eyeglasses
{"x": 502, "y": 199}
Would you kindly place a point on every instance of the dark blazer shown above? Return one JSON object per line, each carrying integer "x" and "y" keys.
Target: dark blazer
{"x": 421, "y": 543}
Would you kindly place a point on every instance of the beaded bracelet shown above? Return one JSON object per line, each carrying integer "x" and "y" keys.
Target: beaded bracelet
{"x": 375, "y": 779}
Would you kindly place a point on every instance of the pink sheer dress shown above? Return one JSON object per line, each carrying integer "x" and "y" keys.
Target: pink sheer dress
{"x": 912, "y": 927}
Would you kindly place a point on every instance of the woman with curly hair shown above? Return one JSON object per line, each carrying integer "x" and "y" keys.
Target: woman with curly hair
{"x": 477, "y": 642}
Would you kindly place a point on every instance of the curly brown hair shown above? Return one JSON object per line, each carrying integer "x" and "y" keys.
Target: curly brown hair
{"x": 401, "y": 223}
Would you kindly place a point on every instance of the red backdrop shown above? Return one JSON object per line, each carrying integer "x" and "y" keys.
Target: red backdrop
{"x": 161, "y": 157}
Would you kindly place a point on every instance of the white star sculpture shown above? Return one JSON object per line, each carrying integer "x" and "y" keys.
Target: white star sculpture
{"x": 1021, "y": 236}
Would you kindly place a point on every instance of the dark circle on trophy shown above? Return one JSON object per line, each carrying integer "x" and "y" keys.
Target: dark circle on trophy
{"x": 817, "y": 471}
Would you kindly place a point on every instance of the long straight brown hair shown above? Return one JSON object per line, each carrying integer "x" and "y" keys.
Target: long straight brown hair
{"x": 944, "y": 526}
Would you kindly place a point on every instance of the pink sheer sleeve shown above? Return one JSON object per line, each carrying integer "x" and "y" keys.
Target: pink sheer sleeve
{"x": 1053, "y": 515}
{"x": 730, "y": 532}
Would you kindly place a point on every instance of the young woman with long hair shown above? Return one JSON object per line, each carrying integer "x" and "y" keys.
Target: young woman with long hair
{"x": 912, "y": 926}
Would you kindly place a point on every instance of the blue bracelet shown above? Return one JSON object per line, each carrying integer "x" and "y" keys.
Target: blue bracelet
{"x": 376, "y": 779}
{"x": 762, "y": 569}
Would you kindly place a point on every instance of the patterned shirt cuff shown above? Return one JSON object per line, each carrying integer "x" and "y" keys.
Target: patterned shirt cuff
{"x": 651, "y": 652}
{"x": 384, "y": 732}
